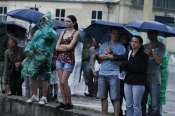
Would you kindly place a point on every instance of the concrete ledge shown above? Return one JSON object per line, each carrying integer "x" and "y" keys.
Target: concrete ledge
{"x": 16, "y": 106}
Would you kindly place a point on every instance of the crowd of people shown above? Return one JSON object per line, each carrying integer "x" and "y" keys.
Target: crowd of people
{"x": 50, "y": 62}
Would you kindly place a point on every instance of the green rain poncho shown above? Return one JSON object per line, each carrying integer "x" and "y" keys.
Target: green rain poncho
{"x": 43, "y": 43}
{"x": 164, "y": 79}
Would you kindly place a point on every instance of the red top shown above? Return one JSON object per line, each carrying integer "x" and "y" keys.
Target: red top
{"x": 67, "y": 56}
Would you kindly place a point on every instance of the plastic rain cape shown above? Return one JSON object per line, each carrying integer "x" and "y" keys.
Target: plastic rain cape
{"x": 43, "y": 43}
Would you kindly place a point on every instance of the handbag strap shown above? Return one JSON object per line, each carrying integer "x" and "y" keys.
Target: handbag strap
{"x": 130, "y": 51}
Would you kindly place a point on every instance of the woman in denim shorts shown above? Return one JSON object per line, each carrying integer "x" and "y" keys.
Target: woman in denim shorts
{"x": 66, "y": 59}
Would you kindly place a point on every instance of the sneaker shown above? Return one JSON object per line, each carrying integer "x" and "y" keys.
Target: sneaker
{"x": 86, "y": 89}
{"x": 32, "y": 99}
{"x": 61, "y": 105}
{"x": 43, "y": 101}
{"x": 68, "y": 106}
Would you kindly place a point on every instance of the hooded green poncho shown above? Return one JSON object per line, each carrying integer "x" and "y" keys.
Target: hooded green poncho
{"x": 43, "y": 43}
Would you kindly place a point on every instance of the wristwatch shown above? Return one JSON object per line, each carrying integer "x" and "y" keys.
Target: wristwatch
{"x": 152, "y": 50}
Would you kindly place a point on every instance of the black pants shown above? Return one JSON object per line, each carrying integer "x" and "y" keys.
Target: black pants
{"x": 122, "y": 95}
{"x": 16, "y": 81}
{"x": 92, "y": 86}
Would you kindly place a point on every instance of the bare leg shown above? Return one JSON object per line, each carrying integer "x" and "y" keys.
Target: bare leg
{"x": 66, "y": 88}
{"x": 60, "y": 72}
{"x": 104, "y": 105}
{"x": 34, "y": 86}
{"x": 44, "y": 87}
{"x": 116, "y": 107}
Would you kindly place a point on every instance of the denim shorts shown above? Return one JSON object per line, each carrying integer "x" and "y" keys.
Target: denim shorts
{"x": 111, "y": 84}
{"x": 64, "y": 66}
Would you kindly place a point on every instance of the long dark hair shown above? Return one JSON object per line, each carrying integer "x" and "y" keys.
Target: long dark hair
{"x": 140, "y": 41}
{"x": 73, "y": 19}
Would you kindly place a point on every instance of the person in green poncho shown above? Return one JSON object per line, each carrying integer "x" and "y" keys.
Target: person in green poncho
{"x": 164, "y": 80}
{"x": 39, "y": 52}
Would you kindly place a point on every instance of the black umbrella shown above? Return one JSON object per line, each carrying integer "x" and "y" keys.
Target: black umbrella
{"x": 18, "y": 29}
{"x": 58, "y": 24}
{"x": 100, "y": 30}
{"x": 144, "y": 26}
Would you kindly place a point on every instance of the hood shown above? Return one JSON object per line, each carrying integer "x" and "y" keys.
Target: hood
{"x": 47, "y": 23}
{"x": 3, "y": 28}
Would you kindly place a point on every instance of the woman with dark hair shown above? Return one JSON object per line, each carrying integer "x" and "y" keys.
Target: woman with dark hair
{"x": 66, "y": 59}
{"x": 12, "y": 67}
{"x": 135, "y": 79}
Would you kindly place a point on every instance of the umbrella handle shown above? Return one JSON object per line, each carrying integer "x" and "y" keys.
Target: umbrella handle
{"x": 30, "y": 26}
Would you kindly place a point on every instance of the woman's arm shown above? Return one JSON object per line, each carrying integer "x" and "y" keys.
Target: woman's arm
{"x": 73, "y": 42}
{"x": 119, "y": 57}
{"x": 139, "y": 65}
{"x": 58, "y": 47}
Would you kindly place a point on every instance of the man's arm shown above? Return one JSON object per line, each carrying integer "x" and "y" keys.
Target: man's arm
{"x": 157, "y": 59}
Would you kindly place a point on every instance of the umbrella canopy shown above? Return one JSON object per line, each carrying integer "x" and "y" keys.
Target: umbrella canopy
{"x": 18, "y": 29}
{"x": 100, "y": 30}
{"x": 58, "y": 24}
{"x": 31, "y": 16}
{"x": 82, "y": 38}
{"x": 144, "y": 26}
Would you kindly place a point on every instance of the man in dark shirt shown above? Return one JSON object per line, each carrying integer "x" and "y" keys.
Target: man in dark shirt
{"x": 155, "y": 50}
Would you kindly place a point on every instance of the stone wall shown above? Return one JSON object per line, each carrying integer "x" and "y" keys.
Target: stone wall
{"x": 16, "y": 106}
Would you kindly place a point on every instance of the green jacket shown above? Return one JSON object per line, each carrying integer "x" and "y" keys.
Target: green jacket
{"x": 43, "y": 43}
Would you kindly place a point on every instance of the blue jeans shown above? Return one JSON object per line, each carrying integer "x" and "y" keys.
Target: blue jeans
{"x": 64, "y": 66}
{"x": 28, "y": 85}
{"x": 85, "y": 69}
{"x": 149, "y": 109}
{"x": 111, "y": 84}
{"x": 133, "y": 94}
{"x": 154, "y": 90}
